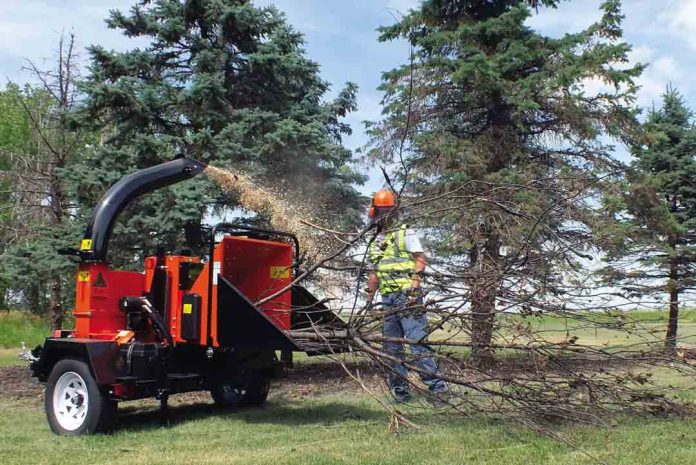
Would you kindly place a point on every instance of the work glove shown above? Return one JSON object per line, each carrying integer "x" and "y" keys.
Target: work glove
{"x": 414, "y": 294}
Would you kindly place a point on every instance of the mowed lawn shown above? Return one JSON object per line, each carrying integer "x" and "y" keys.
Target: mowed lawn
{"x": 617, "y": 330}
{"x": 328, "y": 427}
{"x": 633, "y": 330}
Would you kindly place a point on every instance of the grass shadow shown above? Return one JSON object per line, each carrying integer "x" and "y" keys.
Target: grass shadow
{"x": 287, "y": 413}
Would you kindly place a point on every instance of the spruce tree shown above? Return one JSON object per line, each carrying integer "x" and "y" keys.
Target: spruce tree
{"x": 501, "y": 145}
{"x": 652, "y": 245}
{"x": 225, "y": 82}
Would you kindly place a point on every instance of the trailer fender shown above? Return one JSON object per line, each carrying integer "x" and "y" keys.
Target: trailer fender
{"x": 102, "y": 357}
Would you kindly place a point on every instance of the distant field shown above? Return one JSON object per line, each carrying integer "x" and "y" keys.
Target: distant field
{"x": 639, "y": 327}
{"x": 615, "y": 330}
{"x": 17, "y": 326}
{"x": 618, "y": 330}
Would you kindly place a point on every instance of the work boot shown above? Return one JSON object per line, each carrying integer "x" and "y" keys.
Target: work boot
{"x": 401, "y": 394}
{"x": 439, "y": 395}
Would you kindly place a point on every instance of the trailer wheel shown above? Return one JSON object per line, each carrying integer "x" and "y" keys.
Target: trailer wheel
{"x": 74, "y": 404}
{"x": 257, "y": 390}
{"x": 251, "y": 393}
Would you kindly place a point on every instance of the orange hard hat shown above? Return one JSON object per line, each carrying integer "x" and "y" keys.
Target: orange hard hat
{"x": 383, "y": 198}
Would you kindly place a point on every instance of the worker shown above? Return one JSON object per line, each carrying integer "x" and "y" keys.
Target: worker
{"x": 398, "y": 262}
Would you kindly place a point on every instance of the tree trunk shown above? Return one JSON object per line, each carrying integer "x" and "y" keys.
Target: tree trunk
{"x": 56, "y": 313}
{"x": 33, "y": 298}
{"x": 483, "y": 302}
{"x": 3, "y": 300}
{"x": 55, "y": 303}
{"x": 673, "y": 287}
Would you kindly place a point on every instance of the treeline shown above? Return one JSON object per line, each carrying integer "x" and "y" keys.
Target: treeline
{"x": 498, "y": 150}
{"x": 509, "y": 160}
{"x": 40, "y": 208}
{"x": 225, "y": 82}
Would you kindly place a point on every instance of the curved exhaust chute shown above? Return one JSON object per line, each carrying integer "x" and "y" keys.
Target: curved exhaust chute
{"x": 95, "y": 242}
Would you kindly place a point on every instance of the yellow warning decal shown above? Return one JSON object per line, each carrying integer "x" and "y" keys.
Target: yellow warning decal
{"x": 86, "y": 244}
{"x": 280, "y": 272}
{"x": 188, "y": 308}
{"x": 83, "y": 276}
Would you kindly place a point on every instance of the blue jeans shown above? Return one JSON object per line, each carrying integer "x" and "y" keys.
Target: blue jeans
{"x": 412, "y": 325}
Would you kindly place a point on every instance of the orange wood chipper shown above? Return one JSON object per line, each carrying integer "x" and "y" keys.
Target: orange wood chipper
{"x": 185, "y": 323}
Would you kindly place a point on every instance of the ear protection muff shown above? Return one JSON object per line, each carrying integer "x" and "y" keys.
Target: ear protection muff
{"x": 372, "y": 212}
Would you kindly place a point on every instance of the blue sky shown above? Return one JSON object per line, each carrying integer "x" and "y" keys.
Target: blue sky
{"x": 341, "y": 37}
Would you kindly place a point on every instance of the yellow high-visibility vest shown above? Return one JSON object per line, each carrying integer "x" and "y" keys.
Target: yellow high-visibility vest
{"x": 393, "y": 264}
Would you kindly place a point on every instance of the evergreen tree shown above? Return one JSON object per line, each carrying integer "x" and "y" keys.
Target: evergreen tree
{"x": 653, "y": 242}
{"x": 222, "y": 81}
{"x": 501, "y": 144}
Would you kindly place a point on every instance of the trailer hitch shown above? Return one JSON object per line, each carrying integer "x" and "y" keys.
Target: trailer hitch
{"x": 163, "y": 397}
{"x": 27, "y": 355}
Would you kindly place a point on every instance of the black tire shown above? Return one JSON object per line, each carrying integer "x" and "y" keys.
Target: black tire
{"x": 252, "y": 393}
{"x": 73, "y": 375}
{"x": 257, "y": 390}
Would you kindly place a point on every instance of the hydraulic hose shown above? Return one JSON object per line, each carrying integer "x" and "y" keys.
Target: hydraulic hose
{"x": 154, "y": 316}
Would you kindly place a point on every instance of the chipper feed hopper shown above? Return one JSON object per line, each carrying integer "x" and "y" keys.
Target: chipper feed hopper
{"x": 185, "y": 323}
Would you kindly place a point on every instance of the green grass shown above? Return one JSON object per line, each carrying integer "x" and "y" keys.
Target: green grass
{"x": 633, "y": 331}
{"x": 333, "y": 429}
{"x": 687, "y": 315}
{"x": 337, "y": 428}
{"x": 599, "y": 329}
{"x": 17, "y": 326}
{"x": 10, "y": 357}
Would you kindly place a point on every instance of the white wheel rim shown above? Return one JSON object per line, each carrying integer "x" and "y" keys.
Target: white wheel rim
{"x": 70, "y": 401}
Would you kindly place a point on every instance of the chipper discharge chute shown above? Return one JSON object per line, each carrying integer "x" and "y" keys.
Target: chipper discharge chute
{"x": 183, "y": 324}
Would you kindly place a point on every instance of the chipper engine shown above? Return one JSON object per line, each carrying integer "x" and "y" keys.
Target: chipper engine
{"x": 185, "y": 323}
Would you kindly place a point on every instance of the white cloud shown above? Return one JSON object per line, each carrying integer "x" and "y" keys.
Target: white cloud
{"x": 30, "y": 29}
{"x": 668, "y": 68}
{"x": 594, "y": 86}
{"x": 341, "y": 37}
{"x": 662, "y": 34}
{"x": 681, "y": 17}
{"x": 568, "y": 17}
{"x": 661, "y": 71}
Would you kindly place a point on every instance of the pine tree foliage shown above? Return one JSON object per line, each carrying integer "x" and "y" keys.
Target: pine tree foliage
{"x": 652, "y": 244}
{"x": 225, "y": 82}
{"x": 495, "y": 133}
